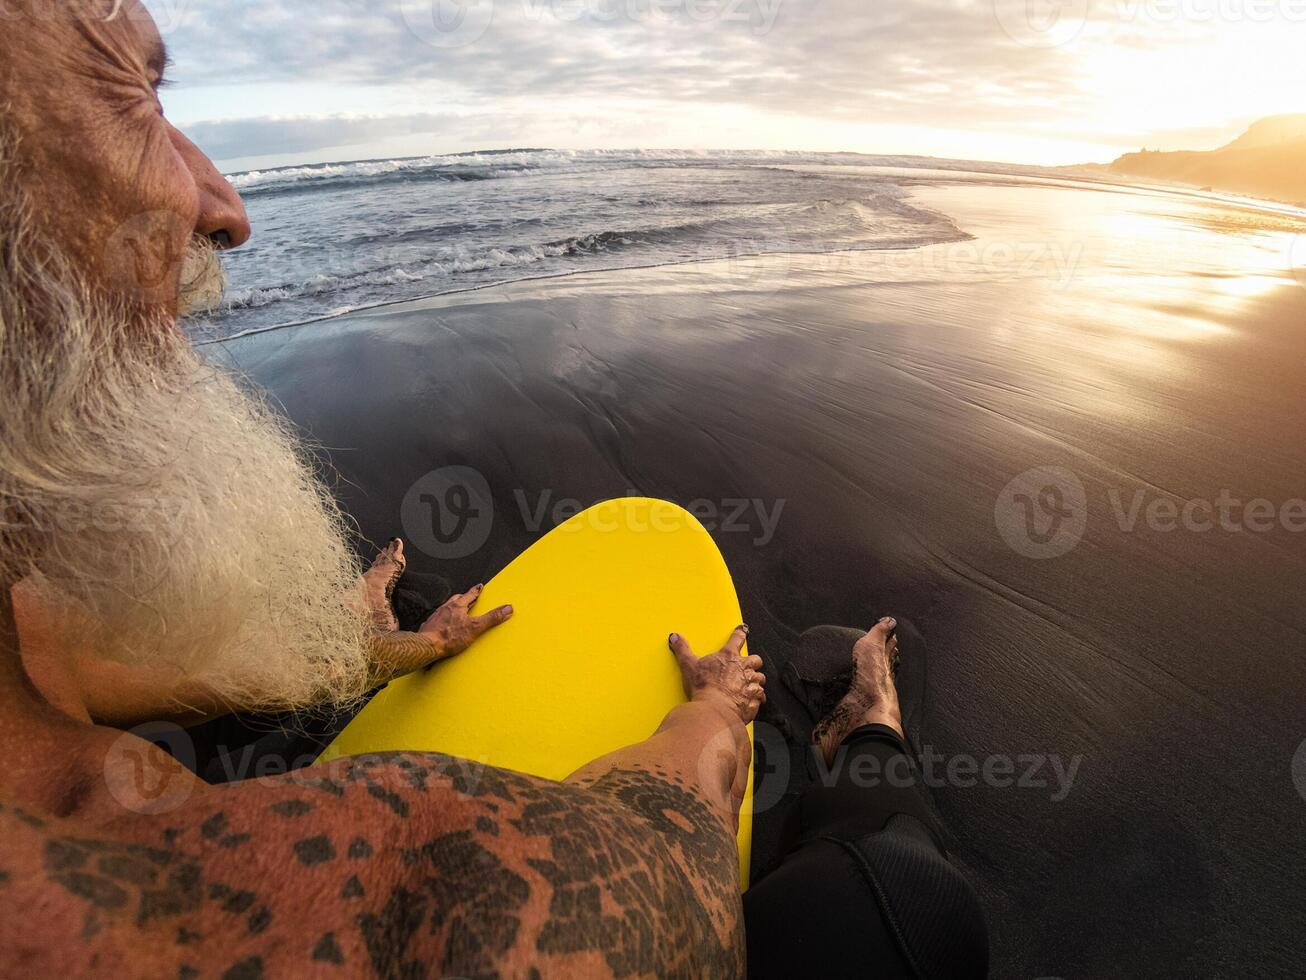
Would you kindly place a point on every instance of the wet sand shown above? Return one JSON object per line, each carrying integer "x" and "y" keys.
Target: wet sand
{"x": 1146, "y": 343}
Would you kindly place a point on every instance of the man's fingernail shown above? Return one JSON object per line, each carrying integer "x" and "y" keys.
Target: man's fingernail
{"x": 744, "y": 627}
{"x": 673, "y": 639}
{"x": 507, "y": 610}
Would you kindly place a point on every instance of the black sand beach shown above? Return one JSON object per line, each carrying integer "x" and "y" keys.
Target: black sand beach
{"x": 1146, "y": 343}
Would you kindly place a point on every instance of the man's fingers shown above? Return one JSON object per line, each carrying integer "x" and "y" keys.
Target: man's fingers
{"x": 753, "y": 663}
{"x": 493, "y": 618}
{"x": 684, "y": 655}
{"x": 737, "y": 638}
{"x": 464, "y": 600}
{"x": 758, "y": 678}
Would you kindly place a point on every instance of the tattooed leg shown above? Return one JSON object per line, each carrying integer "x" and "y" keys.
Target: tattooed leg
{"x": 703, "y": 745}
{"x": 699, "y": 748}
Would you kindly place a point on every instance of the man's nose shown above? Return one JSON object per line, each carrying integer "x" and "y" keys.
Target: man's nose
{"x": 222, "y": 217}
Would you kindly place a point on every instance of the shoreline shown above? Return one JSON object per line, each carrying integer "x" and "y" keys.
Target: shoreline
{"x": 1253, "y": 205}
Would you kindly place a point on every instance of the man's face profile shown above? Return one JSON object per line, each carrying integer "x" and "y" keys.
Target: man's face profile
{"x": 242, "y": 578}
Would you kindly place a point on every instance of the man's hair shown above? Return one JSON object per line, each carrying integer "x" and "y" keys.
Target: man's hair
{"x": 169, "y": 514}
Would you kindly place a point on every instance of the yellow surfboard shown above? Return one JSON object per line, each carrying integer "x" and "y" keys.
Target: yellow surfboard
{"x": 583, "y": 667}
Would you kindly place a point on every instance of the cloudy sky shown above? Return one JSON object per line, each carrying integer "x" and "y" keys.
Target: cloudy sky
{"x": 266, "y": 82}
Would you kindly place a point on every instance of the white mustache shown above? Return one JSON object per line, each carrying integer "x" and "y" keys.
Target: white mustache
{"x": 203, "y": 279}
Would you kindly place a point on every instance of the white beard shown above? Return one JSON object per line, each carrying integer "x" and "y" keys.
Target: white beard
{"x": 175, "y": 513}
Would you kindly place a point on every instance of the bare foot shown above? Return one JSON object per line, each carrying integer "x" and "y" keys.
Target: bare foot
{"x": 872, "y": 698}
{"x": 379, "y": 585}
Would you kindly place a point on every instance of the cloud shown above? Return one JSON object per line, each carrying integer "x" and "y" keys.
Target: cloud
{"x": 841, "y": 58}
{"x": 1033, "y": 68}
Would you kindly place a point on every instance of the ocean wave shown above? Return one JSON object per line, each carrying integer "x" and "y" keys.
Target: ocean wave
{"x": 489, "y": 164}
{"x": 446, "y": 265}
{"x": 822, "y": 225}
{"x": 386, "y": 234}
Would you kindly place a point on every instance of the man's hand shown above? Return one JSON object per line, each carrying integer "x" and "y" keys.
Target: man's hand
{"x": 727, "y": 678}
{"x": 452, "y": 628}
{"x": 449, "y": 631}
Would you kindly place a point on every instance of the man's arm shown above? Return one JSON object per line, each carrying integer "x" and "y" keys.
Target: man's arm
{"x": 396, "y": 866}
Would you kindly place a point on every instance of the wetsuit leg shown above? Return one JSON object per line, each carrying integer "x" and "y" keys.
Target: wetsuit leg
{"x": 866, "y": 888}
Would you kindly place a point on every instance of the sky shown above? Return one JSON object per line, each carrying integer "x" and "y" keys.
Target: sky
{"x": 262, "y": 83}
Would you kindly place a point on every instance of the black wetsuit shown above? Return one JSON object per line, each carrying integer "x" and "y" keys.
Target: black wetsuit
{"x": 865, "y": 888}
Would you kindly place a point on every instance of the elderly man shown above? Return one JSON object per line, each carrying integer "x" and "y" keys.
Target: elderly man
{"x": 166, "y": 549}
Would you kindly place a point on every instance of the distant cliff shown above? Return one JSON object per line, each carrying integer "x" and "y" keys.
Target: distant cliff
{"x": 1269, "y": 160}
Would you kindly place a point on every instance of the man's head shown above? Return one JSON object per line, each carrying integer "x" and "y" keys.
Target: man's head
{"x": 122, "y": 190}
{"x": 170, "y": 514}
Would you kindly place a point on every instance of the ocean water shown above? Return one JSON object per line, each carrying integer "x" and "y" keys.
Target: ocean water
{"x": 338, "y": 237}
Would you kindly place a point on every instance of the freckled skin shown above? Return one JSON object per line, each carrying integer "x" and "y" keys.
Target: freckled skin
{"x": 491, "y": 874}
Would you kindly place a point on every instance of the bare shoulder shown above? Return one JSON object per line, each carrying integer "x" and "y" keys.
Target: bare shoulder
{"x": 399, "y": 865}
